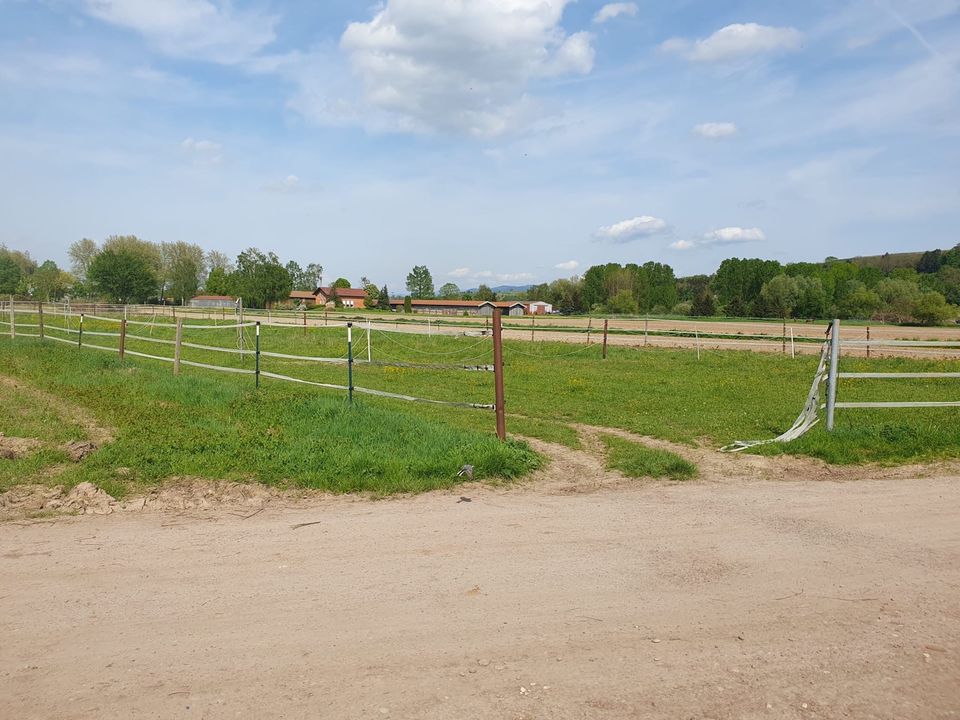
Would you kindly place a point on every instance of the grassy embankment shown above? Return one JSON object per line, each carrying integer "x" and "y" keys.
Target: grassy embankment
{"x": 662, "y": 393}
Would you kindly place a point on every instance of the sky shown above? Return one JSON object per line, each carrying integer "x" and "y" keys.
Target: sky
{"x": 495, "y": 141}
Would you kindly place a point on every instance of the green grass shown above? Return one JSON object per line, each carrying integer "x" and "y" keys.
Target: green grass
{"x": 638, "y": 461}
{"x": 216, "y": 426}
{"x": 670, "y": 394}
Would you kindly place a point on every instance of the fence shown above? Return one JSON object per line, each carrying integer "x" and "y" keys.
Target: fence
{"x": 227, "y": 346}
{"x": 835, "y": 375}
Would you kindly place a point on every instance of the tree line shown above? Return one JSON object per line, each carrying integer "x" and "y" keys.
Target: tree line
{"x": 927, "y": 293}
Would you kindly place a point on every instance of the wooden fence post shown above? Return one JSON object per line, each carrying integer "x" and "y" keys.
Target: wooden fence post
{"x": 606, "y": 322}
{"x": 123, "y": 337}
{"x": 176, "y": 348}
{"x": 646, "y": 322}
{"x": 498, "y": 374}
{"x": 13, "y": 319}
{"x": 784, "y": 336}
{"x": 533, "y": 326}
{"x": 40, "y": 311}
{"x": 589, "y": 325}
{"x": 868, "y": 342}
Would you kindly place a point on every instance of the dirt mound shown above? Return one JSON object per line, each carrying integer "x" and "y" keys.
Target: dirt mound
{"x": 199, "y": 494}
{"x": 14, "y": 448}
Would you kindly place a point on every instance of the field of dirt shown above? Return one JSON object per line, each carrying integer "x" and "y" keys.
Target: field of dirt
{"x": 767, "y": 589}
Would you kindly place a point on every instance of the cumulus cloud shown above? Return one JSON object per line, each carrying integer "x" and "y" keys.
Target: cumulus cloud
{"x": 627, "y": 230}
{"x": 203, "y": 29}
{"x": 459, "y": 272}
{"x": 715, "y": 131}
{"x": 462, "y": 67}
{"x": 682, "y": 244}
{"x": 737, "y": 41}
{"x": 733, "y": 235}
{"x": 289, "y": 184}
{"x": 612, "y": 10}
{"x": 203, "y": 152}
{"x": 568, "y": 265}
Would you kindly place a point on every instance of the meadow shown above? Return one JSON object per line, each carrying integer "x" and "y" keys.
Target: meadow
{"x": 218, "y": 425}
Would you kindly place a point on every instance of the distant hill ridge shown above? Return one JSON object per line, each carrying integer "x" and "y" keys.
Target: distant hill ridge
{"x": 888, "y": 261}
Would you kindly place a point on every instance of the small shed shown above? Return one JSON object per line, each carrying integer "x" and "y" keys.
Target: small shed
{"x": 539, "y": 307}
{"x": 212, "y": 301}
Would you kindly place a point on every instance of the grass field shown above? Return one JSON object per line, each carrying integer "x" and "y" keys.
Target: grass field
{"x": 215, "y": 424}
{"x": 636, "y": 460}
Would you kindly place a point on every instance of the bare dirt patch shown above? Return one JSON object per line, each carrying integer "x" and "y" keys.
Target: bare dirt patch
{"x": 14, "y": 448}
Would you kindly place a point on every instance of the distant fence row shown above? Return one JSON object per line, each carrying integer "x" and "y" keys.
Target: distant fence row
{"x": 789, "y": 337}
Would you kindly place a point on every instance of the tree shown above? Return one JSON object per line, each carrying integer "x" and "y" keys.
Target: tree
{"x": 623, "y": 303}
{"x": 10, "y": 275}
{"x": 898, "y": 297}
{"x": 82, "y": 252}
{"x": 930, "y": 261}
{"x": 340, "y": 283}
{"x": 216, "y": 260}
{"x": 183, "y": 265}
{"x": 314, "y": 273}
{"x": 859, "y": 302}
{"x": 49, "y": 282}
{"x": 449, "y": 291}
{"x": 383, "y": 301}
{"x": 930, "y": 308}
{"x": 260, "y": 278}
{"x": 811, "y": 298}
{"x": 373, "y": 293}
{"x": 486, "y": 294}
{"x": 123, "y": 276}
{"x": 780, "y": 295}
{"x": 218, "y": 282}
{"x": 407, "y": 305}
{"x": 298, "y": 276}
{"x": 149, "y": 252}
{"x": 420, "y": 282}
{"x": 704, "y": 304}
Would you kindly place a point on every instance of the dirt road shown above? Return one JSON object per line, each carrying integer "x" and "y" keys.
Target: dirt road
{"x": 567, "y": 597}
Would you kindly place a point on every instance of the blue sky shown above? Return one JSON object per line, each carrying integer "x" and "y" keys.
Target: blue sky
{"x": 498, "y": 141}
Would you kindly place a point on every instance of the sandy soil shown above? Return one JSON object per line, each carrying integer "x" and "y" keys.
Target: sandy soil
{"x": 578, "y": 594}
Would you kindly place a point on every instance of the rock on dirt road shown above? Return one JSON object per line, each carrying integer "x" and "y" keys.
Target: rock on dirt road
{"x": 788, "y": 599}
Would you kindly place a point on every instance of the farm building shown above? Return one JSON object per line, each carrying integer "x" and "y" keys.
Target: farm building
{"x": 538, "y": 307}
{"x": 306, "y": 297}
{"x": 459, "y": 307}
{"x": 350, "y": 297}
{"x": 212, "y": 301}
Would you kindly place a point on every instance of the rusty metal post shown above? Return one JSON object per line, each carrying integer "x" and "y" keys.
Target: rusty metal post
{"x": 304, "y": 323}
{"x": 13, "y": 319}
{"x": 646, "y": 322}
{"x": 605, "y": 325}
{"x": 868, "y": 342}
{"x": 498, "y": 374}
{"x": 589, "y": 325}
{"x": 784, "y": 336}
{"x": 40, "y": 311}
{"x": 123, "y": 338}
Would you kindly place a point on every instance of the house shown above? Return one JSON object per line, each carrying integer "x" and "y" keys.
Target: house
{"x": 309, "y": 299}
{"x": 213, "y": 301}
{"x": 538, "y": 307}
{"x": 350, "y": 297}
{"x": 459, "y": 307}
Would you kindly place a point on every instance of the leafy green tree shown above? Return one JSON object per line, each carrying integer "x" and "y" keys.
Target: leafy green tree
{"x": 812, "y": 299}
{"x": 82, "y": 252}
{"x": 218, "y": 282}
{"x": 898, "y": 297}
{"x": 215, "y": 260}
{"x": 623, "y": 303}
{"x": 951, "y": 257}
{"x": 738, "y": 282}
{"x": 383, "y": 301}
{"x": 930, "y": 308}
{"x": 183, "y": 268}
{"x": 930, "y": 262}
{"x": 260, "y": 278}
{"x": 656, "y": 286}
{"x": 858, "y": 302}
{"x": 420, "y": 283}
{"x": 340, "y": 283}
{"x": 49, "y": 282}
{"x": 484, "y": 293}
{"x": 449, "y": 291}
{"x": 10, "y": 275}
{"x": 949, "y": 280}
{"x": 123, "y": 275}
{"x": 407, "y": 305}
{"x": 780, "y": 295}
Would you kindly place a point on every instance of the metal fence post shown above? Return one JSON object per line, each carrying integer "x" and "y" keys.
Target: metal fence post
{"x": 176, "y": 348}
{"x": 832, "y": 376}
{"x": 80, "y": 334}
{"x": 123, "y": 335}
{"x": 498, "y": 374}
{"x": 369, "y": 348}
{"x": 868, "y": 342}
{"x": 350, "y": 361}
{"x": 13, "y": 319}
{"x": 40, "y": 311}
{"x": 256, "y": 366}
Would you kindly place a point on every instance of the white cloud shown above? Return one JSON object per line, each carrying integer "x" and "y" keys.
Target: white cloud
{"x": 203, "y": 152}
{"x": 463, "y": 67}
{"x": 459, "y": 272}
{"x": 737, "y": 41}
{"x": 715, "y": 131}
{"x": 627, "y": 230}
{"x": 483, "y": 276}
{"x": 289, "y": 184}
{"x": 568, "y": 265}
{"x": 202, "y": 29}
{"x": 612, "y": 10}
{"x": 733, "y": 235}
{"x": 682, "y": 245}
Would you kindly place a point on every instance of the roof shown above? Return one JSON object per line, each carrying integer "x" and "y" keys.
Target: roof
{"x": 213, "y": 297}
{"x": 305, "y": 294}
{"x": 342, "y": 292}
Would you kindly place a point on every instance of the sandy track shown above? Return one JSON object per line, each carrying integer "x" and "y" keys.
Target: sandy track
{"x": 576, "y": 595}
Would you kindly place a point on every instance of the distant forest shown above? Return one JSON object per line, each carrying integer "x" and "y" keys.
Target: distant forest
{"x": 921, "y": 288}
